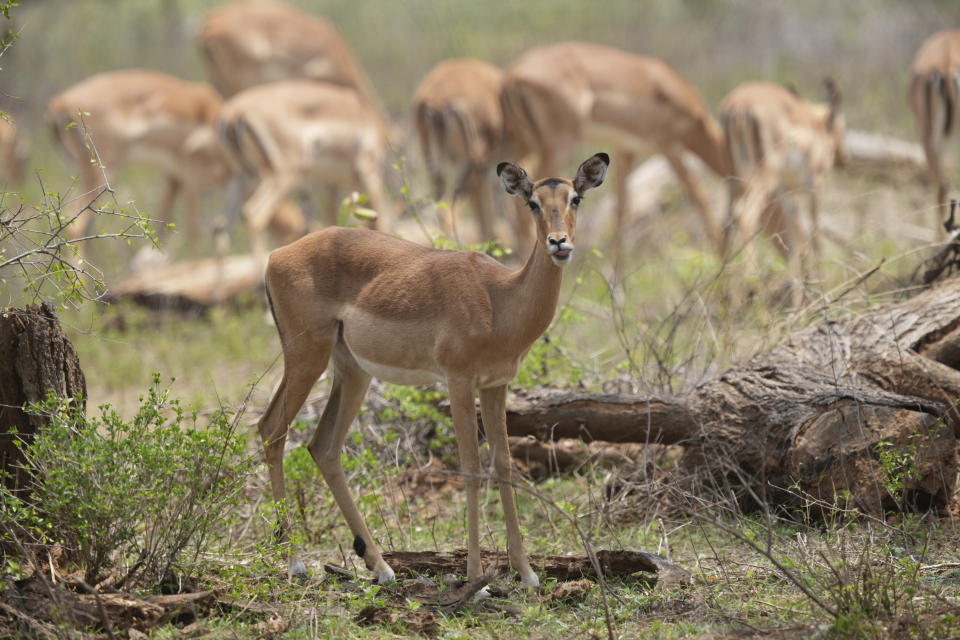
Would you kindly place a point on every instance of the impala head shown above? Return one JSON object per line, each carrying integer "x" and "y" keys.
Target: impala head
{"x": 554, "y": 202}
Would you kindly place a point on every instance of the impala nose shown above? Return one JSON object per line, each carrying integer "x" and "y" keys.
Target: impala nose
{"x": 560, "y": 247}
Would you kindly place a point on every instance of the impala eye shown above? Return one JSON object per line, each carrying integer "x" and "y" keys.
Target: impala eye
{"x": 533, "y": 206}
{"x": 575, "y": 201}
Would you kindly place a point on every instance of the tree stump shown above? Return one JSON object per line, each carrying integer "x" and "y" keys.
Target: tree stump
{"x": 36, "y": 359}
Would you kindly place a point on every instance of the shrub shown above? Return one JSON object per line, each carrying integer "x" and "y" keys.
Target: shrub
{"x": 143, "y": 494}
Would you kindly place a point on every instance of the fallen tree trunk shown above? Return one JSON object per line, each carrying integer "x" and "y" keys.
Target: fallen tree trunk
{"x": 612, "y": 563}
{"x": 866, "y": 406}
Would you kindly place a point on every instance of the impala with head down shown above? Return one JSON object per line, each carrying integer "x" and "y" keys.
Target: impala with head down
{"x": 778, "y": 144}
{"x": 456, "y": 112}
{"x": 283, "y": 135}
{"x": 138, "y": 116}
{"x": 556, "y": 96}
{"x": 935, "y": 99}
{"x": 380, "y": 306}
{"x": 249, "y": 43}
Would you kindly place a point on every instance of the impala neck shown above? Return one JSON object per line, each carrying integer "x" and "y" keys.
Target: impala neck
{"x": 533, "y": 299}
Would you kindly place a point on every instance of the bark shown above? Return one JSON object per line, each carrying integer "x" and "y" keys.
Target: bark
{"x": 859, "y": 406}
{"x": 192, "y": 286}
{"x": 882, "y": 156}
{"x": 612, "y": 563}
{"x": 36, "y": 359}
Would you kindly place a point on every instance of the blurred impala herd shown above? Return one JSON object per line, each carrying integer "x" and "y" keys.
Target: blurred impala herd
{"x": 288, "y": 106}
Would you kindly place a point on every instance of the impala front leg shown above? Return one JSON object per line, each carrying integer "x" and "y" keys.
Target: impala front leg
{"x": 493, "y": 404}
{"x": 464, "y": 414}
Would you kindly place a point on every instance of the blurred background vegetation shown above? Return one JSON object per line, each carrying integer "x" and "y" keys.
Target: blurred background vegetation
{"x": 866, "y": 45}
{"x": 671, "y": 327}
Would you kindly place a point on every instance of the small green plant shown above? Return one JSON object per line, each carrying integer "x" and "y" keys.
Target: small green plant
{"x": 898, "y": 467}
{"x": 140, "y": 495}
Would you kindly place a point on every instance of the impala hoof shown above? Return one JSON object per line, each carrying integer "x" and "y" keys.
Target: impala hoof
{"x": 385, "y": 575}
{"x": 531, "y": 581}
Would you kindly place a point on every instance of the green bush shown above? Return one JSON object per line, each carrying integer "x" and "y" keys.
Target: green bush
{"x": 139, "y": 496}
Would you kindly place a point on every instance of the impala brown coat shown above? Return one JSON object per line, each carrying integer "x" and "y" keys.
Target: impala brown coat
{"x": 778, "y": 145}
{"x": 456, "y": 112}
{"x": 143, "y": 117}
{"x": 558, "y": 95}
{"x": 296, "y": 132}
{"x": 935, "y": 101}
{"x": 381, "y": 306}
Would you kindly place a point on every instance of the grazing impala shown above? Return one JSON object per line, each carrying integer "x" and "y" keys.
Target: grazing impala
{"x": 778, "y": 143}
{"x": 935, "y": 99}
{"x": 558, "y": 95}
{"x": 250, "y": 43}
{"x": 13, "y": 152}
{"x": 284, "y": 134}
{"x": 381, "y": 306}
{"x": 141, "y": 117}
{"x": 456, "y": 111}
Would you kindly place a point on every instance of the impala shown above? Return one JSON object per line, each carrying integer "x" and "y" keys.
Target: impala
{"x": 935, "y": 97}
{"x": 286, "y": 134}
{"x": 456, "y": 112}
{"x": 141, "y": 117}
{"x": 381, "y": 306}
{"x": 778, "y": 143}
{"x": 250, "y": 43}
{"x": 556, "y": 96}
{"x": 13, "y": 152}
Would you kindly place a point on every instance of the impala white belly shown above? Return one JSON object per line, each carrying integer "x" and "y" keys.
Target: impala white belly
{"x": 398, "y": 375}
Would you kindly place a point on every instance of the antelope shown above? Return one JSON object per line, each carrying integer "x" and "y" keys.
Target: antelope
{"x": 557, "y": 95}
{"x": 141, "y": 117}
{"x": 934, "y": 98}
{"x": 381, "y": 306}
{"x": 284, "y": 134}
{"x": 13, "y": 152}
{"x": 456, "y": 112}
{"x": 778, "y": 143}
{"x": 249, "y": 43}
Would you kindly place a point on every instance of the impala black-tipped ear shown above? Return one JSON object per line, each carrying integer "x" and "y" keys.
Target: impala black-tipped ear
{"x": 515, "y": 180}
{"x": 833, "y": 99}
{"x": 592, "y": 172}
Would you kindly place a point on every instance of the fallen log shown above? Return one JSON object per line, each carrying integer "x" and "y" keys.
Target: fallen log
{"x": 612, "y": 563}
{"x": 865, "y": 406}
{"x": 881, "y": 155}
{"x": 193, "y": 285}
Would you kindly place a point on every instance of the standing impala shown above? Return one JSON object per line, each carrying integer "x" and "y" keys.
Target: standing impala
{"x": 250, "y": 43}
{"x": 935, "y": 99}
{"x": 381, "y": 306}
{"x": 13, "y": 153}
{"x": 288, "y": 133}
{"x": 778, "y": 143}
{"x": 556, "y": 96}
{"x": 141, "y": 117}
{"x": 456, "y": 111}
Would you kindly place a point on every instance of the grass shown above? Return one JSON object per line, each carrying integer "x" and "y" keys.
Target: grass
{"x": 678, "y": 317}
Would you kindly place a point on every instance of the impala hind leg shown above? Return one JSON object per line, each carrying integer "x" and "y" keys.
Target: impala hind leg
{"x": 299, "y": 375}
{"x": 695, "y": 188}
{"x": 493, "y": 409}
{"x": 350, "y": 384}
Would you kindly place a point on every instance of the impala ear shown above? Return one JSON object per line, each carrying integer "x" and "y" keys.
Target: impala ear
{"x": 833, "y": 99}
{"x": 515, "y": 180}
{"x": 591, "y": 173}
